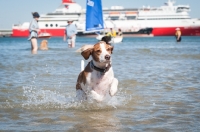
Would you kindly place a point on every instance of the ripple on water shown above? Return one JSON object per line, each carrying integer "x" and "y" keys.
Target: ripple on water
{"x": 158, "y": 87}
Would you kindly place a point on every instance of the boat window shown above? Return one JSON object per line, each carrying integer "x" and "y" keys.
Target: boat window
{"x": 131, "y": 17}
{"x": 114, "y": 18}
{"x": 46, "y": 25}
{"x": 162, "y": 18}
{"x": 56, "y": 25}
{"x": 51, "y": 25}
{"x": 183, "y": 8}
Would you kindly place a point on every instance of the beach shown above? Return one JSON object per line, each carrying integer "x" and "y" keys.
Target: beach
{"x": 159, "y": 87}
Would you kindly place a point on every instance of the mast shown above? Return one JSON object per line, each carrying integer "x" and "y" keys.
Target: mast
{"x": 170, "y": 3}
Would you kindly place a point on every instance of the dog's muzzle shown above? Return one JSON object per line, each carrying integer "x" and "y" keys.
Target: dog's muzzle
{"x": 107, "y": 57}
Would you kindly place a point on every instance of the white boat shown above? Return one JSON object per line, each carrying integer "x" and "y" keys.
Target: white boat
{"x": 117, "y": 39}
{"x": 44, "y": 35}
{"x": 153, "y": 21}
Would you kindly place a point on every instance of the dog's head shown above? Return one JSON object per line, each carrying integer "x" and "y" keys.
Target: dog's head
{"x": 106, "y": 39}
{"x": 100, "y": 52}
{"x": 44, "y": 43}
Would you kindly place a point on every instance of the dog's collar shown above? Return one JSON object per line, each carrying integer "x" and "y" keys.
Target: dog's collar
{"x": 102, "y": 71}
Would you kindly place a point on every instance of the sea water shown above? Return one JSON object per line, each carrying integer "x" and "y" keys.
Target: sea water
{"x": 159, "y": 87}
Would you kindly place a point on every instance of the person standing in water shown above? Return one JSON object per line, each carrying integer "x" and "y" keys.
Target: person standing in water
{"x": 70, "y": 33}
{"x": 178, "y": 35}
{"x": 34, "y": 31}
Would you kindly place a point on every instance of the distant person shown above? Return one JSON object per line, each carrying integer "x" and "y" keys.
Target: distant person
{"x": 112, "y": 33}
{"x": 108, "y": 34}
{"x": 34, "y": 31}
{"x": 70, "y": 34}
{"x": 178, "y": 35}
{"x": 119, "y": 33}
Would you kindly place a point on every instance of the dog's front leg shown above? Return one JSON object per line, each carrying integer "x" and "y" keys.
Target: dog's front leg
{"x": 80, "y": 95}
{"x": 113, "y": 88}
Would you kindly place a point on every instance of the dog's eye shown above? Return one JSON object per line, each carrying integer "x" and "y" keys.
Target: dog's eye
{"x": 98, "y": 51}
{"x": 108, "y": 49}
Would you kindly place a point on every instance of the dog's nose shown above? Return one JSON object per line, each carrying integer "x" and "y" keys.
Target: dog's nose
{"x": 107, "y": 57}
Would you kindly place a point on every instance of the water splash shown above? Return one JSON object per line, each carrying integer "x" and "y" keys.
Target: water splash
{"x": 37, "y": 98}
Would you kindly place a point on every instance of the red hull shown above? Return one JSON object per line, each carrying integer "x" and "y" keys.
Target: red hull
{"x": 191, "y": 31}
{"x": 20, "y": 33}
{"x": 170, "y": 31}
{"x": 25, "y": 33}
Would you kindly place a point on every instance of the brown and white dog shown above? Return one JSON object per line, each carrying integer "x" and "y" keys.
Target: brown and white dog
{"x": 44, "y": 45}
{"x": 97, "y": 80}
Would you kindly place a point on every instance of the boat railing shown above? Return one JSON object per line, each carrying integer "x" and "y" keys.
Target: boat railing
{"x": 16, "y": 25}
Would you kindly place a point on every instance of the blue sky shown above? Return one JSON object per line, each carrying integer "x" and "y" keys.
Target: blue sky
{"x": 19, "y": 11}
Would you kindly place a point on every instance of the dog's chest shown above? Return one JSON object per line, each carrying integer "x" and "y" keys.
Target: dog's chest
{"x": 100, "y": 83}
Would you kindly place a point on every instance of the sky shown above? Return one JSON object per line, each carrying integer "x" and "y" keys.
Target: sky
{"x": 19, "y": 11}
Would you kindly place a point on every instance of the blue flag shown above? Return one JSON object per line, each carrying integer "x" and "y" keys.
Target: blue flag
{"x": 94, "y": 15}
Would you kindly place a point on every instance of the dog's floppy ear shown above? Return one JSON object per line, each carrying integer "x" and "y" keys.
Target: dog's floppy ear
{"x": 86, "y": 53}
{"x": 84, "y": 47}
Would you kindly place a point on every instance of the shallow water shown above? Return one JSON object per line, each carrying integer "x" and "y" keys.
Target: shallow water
{"x": 159, "y": 87}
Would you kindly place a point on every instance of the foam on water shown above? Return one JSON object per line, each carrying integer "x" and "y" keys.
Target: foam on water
{"x": 37, "y": 98}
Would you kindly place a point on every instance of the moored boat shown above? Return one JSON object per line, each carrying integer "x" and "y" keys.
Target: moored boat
{"x": 116, "y": 39}
{"x": 153, "y": 21}
{"x": 44, "y": 35}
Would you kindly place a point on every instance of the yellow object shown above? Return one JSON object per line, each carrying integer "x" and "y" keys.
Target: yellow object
{"x": 108, "y": 34}
{"x": 112, "y": 34}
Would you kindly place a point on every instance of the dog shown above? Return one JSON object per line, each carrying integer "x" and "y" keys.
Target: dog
{"x": 97, "y": 80}
{"x": 44, "y": 45}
